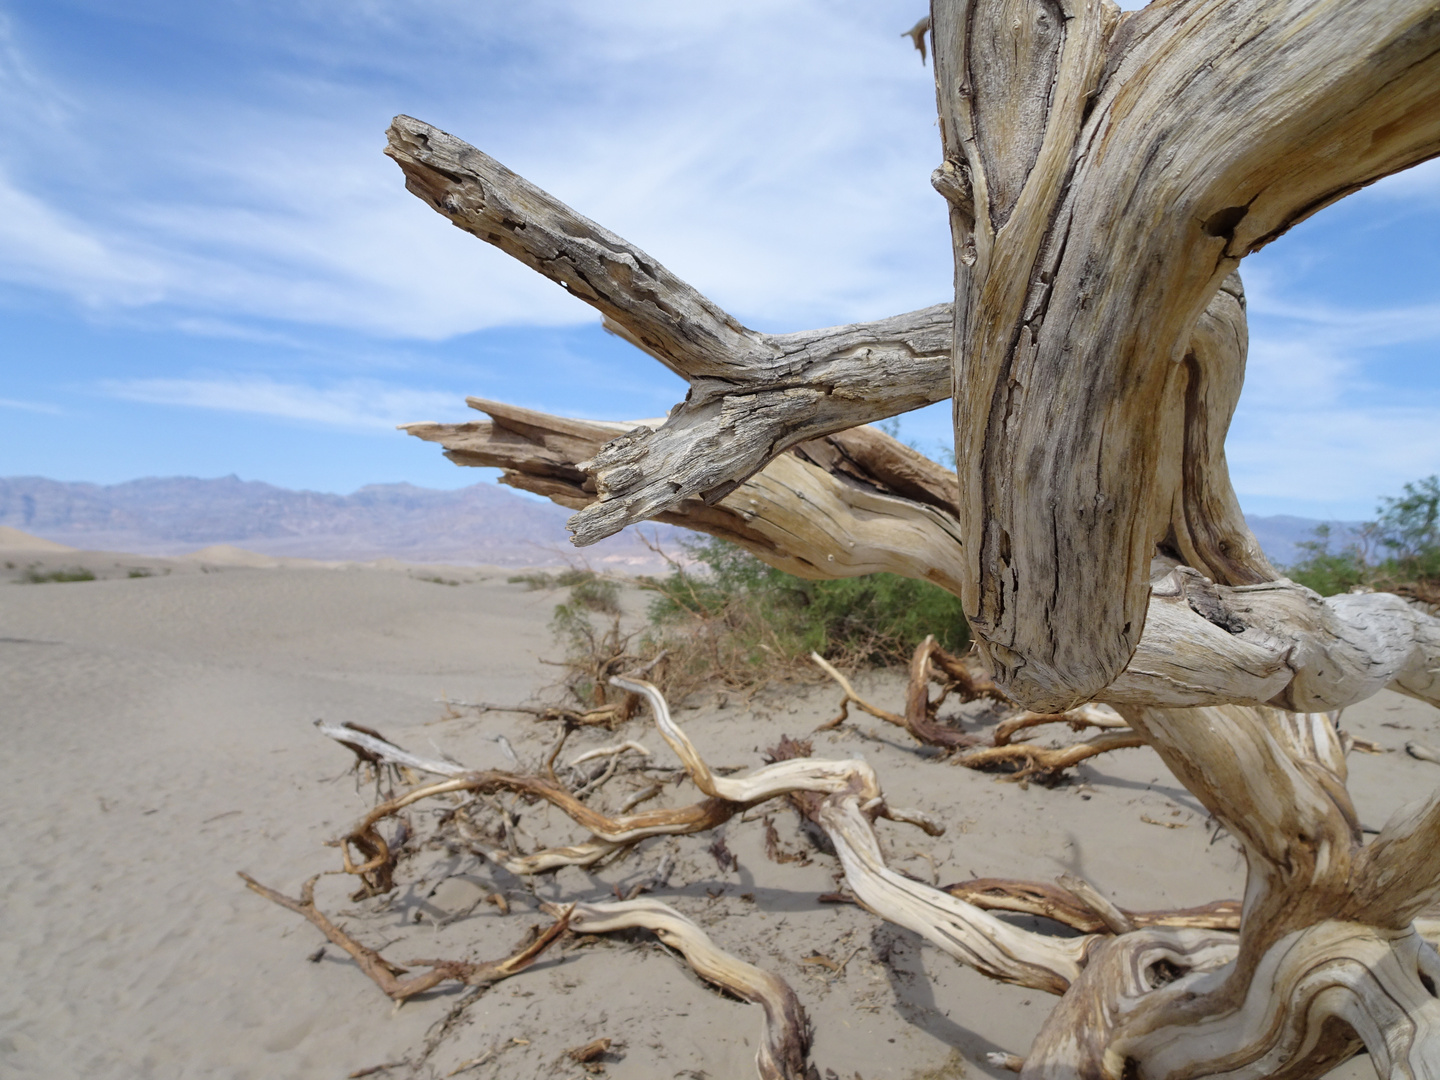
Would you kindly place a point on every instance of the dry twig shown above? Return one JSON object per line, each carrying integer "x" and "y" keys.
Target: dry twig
{"x": 386, "y": 974}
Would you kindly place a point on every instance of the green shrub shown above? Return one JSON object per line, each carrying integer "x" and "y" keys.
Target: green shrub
{"x": 737, "y": 622}
{"x": 532, "y": 582}
{"x": 596, "y": 594}
{"x": 36, "y": 577}
{"x": 771, "y": 617}
{"x": 1397, "y": 552}
{"x": 1329, "y": 572}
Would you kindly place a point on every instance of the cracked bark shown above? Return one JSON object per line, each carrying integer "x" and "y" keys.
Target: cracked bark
{"x": 1105, "y": 174}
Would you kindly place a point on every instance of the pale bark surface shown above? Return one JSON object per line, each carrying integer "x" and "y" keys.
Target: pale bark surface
{"x": 1105, "y": 174}
{"x": 859, "y": 502}
{"x": 1093, "y": 219}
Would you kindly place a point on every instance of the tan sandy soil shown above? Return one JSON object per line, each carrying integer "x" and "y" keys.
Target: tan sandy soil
{"x": 157, "y": 734}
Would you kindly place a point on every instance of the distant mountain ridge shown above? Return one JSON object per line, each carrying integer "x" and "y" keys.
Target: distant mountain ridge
{"x": 483, "y": 523}
{"x": 1281, "y": 534}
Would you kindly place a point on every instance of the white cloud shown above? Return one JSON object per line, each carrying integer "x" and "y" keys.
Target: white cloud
{"x": 364, "y": 405}
{"x": 1349, "y": 327}
{"x": 1324, "y": 426}
{"x": 31, "y": 406}
{"x": 775, "y": 154}
{"x": 1422, "y": 182}
{"x": 1341, "y": 457}
{"x": 40, "y": 246}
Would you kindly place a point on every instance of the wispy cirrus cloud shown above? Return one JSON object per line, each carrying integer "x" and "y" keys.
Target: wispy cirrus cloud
{"x": 776, "y": 154}
{"x": 209, "y": 177}
{"x": 1329, "y": 420}
{"x": 362, "y": 405}
{"x": 31, "y": 406}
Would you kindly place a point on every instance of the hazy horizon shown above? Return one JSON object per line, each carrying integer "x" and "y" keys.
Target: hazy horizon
{"x": 208, "y": 266}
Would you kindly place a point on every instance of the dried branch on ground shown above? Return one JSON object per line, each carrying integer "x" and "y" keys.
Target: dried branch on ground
{"x": 932, "y": 664}
{"x": 386, "y": 974}
{"x": 1104, "y": 173}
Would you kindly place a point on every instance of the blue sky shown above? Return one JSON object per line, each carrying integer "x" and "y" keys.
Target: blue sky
{"x": 208, "y": 267}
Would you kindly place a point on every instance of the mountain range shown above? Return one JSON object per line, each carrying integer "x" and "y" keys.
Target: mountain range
{"x": 483, "y": 523}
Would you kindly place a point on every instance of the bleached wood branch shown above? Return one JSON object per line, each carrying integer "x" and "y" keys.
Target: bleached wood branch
{"x": 1325, "y": 933}
{"x": 754, "y": 395}
{"x": 1105, "y": 174}
{"x": 850, "y": 791}
{"x": 387, "y": 975}
{"x": 385, "y": 750}
{"x": 858, "y": 502}
{"x": 785, "y": 1048}
{"x": 975, "y": 937}
{"x": 1319, "y": 933}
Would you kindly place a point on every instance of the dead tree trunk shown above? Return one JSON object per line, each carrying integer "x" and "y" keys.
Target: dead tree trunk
{"x": 1105, "y": 174}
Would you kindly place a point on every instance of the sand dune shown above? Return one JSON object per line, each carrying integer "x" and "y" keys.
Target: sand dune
{"x": 15, "y": 540}
{"x": 158, "y": 738}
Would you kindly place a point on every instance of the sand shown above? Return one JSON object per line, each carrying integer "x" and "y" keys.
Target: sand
{"x": 158, "y": 738}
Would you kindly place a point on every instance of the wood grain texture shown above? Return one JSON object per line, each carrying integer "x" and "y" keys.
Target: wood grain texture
{"x": 1105, "y": 173}
{"x": 785, "y": 1047}
{"x": 1327, "y": 958}
{"x": 860, "y": 502}
{"x": 753, "y": 395}
{"x": 1173, "y": 141}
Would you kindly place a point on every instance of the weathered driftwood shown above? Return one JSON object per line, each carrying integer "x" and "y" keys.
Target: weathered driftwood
{"x": 387, "y": 975}
{"x": 848, "y": 797}
{"x": 974, "y": 751}
{"x": 859, "y": 502}
{"x": 785, "y": 1049}
{"x": 1060, "y": 903}
{"x": 1105, "y": 174}
{"x": 754, "y": 395}
{"x": 1137, "y": 985}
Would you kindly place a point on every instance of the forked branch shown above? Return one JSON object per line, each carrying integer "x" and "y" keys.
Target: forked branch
{"x": 387, "y": 975}
{"x": 859, "y": 502}
{"x": 752, "y": 395}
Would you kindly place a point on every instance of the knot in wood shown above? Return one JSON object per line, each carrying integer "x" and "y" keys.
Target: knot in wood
{"x": 952, "y": 180}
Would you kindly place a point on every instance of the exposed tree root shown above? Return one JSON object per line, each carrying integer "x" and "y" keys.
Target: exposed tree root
{"x": 386, "y": 974}
{"x": 1036, "y": 761}
{"x": 785, "y": 1048}
{"x": 1139, "y": 985}
{"x": 931, "y": 663}
{"x": 1066, "y": 906}
{"x": 609, "y": 716}
{"x": 843, "y": 796}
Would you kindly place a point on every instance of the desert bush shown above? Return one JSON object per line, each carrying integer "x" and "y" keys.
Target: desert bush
{"x": 1329, "y": 572}
{"x": 534, "y": 581}
{"x": 731, "y": 617}
{"x": 588, "y": 589}
{"x": 1397, "y": 552}
{"x": 725, "y": 618}
{"x": 37, "y": 577}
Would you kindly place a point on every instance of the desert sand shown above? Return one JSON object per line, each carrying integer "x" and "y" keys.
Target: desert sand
{"x": 157, "y": 724}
